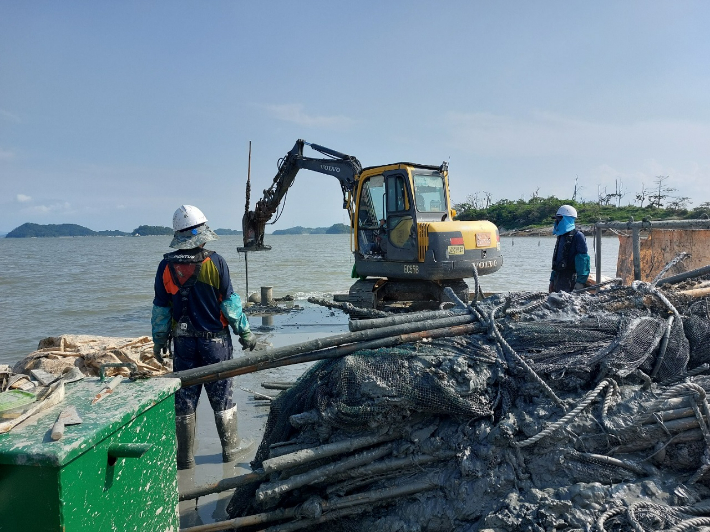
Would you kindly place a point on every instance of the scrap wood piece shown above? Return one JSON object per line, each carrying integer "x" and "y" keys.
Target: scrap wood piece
{"x": 55, "y": 354}
{"x": 257, "y": 395}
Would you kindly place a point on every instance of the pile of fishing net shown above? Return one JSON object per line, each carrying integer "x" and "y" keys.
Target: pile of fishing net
{"x": 566, "y": 412}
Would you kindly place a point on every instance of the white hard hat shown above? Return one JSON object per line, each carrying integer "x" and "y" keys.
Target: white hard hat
{"x": 567, "y": 210}
{"x": 187, "y": 216}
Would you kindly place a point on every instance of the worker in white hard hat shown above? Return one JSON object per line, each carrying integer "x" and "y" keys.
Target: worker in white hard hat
{"x": 195, "y": 304}
{"x": 570, "y": 260}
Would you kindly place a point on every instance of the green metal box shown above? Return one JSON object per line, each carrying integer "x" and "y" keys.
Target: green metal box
{"x": 114, "y": 472}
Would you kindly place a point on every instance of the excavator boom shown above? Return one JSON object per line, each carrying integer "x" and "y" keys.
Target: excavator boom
{"x": 345, "y": 168}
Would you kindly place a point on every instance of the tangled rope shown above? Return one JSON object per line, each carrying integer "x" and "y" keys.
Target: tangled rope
{"x": 570, "y": 415}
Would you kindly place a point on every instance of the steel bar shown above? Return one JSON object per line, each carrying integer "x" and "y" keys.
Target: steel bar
{"x": 394, "y": 335}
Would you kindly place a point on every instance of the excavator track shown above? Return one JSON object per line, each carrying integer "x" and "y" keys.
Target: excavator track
{"x": 380, "y": 293}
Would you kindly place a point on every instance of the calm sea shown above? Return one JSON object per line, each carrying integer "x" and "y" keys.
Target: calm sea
{"x": 104, "y": 285}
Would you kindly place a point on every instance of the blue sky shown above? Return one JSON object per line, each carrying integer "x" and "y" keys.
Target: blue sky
{"x": 112, "y": 114}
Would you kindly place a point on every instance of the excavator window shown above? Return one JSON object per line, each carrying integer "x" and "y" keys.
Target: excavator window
{"x": 371, "y": 209}
{"x": 396, "y": 194}
{"x": 371, "y": 205}
{"x": 429, "y": 192}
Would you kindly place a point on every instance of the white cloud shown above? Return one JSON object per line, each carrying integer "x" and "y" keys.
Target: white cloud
{"x": 295, "y": 113}
{"x": 23, "y": 198}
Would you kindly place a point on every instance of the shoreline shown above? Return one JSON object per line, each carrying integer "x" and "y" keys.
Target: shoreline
{"x": 587, "y": 230}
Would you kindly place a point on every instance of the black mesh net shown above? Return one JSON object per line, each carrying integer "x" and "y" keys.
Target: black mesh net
{"x": 461, "y": 412}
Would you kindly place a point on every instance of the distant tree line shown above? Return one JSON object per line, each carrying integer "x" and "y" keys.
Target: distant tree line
{"x": 538, "y": 211}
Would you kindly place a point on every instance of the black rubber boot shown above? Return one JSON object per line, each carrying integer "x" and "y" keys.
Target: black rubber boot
{"x": 185, "y": 432}
{"x": 226, "y": 422}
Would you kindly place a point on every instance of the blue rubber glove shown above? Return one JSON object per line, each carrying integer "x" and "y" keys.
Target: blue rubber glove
{"x": 232, "y": 311}
{"x": 160, "y": 324}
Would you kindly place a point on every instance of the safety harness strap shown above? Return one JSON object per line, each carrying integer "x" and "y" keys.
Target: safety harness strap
{"x": 563, "y": 265}
{"x": 184, "y": 324}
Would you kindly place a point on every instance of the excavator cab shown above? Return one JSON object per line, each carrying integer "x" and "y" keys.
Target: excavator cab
{"x": 389, "y": 207}
{"x": 405, "y": 234}
{"x": 391, "y": 202}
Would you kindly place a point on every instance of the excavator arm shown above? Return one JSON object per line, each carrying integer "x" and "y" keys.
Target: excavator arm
{"x": 344, "y": 168}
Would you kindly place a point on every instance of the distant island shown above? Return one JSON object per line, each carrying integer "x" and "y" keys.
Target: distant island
{"x": 30, "y": 230}
{"x": 336, "y": 229}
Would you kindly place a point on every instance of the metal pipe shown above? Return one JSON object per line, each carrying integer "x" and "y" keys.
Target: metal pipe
{"x": 246, "y": 274}
{"x": 376, "y": 323}
{"x": 674, "y": 279}
{"x": 223, "y": 485}
{"x": 598, "y": 253}
{"x": 316, "y": 349}
{"x": 636, "y": 246}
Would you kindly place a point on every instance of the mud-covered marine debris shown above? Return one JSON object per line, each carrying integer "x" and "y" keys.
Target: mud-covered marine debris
{"x": 567, "y": 413}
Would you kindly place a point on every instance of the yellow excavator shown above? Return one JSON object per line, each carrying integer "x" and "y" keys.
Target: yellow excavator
{"x": 405, "y": 241}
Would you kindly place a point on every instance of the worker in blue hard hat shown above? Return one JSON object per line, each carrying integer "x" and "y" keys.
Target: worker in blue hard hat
{"x": 195, "y": 304}
{"x": 570, "y": 260}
